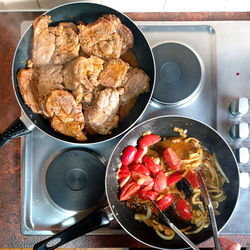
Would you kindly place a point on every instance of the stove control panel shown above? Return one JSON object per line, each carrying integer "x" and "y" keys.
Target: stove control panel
{"x": 242, "y": 155}
{"x": 239, "y": 106}
{"x": 239, "y": 131}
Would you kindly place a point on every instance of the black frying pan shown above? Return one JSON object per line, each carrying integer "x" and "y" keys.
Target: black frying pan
{"x": 74, "y": 12}
{"x": 162, "y": 126}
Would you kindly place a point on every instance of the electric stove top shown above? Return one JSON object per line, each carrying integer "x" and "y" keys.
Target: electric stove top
{"x": 208, "y": 62}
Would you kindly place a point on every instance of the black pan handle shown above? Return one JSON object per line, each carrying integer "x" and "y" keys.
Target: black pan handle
{"x": 97, "y": 219}
{"x": 16, "y": 129}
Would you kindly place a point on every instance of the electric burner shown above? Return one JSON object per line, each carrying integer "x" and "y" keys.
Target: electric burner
{"x": 75, "y": 179}
{"x": 178, "y": 73}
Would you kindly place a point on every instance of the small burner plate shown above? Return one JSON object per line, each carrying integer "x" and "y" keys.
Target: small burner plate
{"x": 178, "y": 74}
{"x": 75, "y": 179}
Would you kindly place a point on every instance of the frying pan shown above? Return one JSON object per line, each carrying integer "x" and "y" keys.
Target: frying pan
{"x": 162, "y": 126}
{"x": 74, "y": 12}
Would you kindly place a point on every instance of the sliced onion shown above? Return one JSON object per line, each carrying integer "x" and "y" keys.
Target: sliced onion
{"x": 165, "y": 237}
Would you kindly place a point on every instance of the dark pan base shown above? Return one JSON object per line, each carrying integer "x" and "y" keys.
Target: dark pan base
{"x": 75, "y": 179}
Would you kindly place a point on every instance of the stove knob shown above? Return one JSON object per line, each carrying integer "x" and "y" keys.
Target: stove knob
{"x": 239, "y": 106}
{"x": 239, "y": 131}
{"x": 242, "y": 155}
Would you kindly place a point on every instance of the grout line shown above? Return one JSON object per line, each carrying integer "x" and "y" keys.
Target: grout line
{"x": 38, "y": 4}
{"x": 164, "y": 5}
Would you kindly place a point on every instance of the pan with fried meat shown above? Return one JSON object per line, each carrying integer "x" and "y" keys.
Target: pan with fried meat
{"x": 76, "y": 49}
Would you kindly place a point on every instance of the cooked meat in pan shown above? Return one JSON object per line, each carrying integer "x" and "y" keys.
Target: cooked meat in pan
{"x": 72, "y": 129}
{"x": 67, "y": 44}
{"x": 100, "y": 39}
{"x": 113, "y": 73}
{"x": 80, "y": 76}
{"x": 101, "y": 117}
{"x": 123, "y": 31}
{"x": 50, "y": 78}
{"x": 136, "y": 83}
{"x": 66, "y": 114}
{"x": 43, "y": 41}
{"x": 82, "y": 71}
{"x": 55, "y": 45}
{"x": 27, "y": 81}
{"x": 76, "y": 75}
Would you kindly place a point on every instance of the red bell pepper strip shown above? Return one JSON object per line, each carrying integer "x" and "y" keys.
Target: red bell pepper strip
{"x": 149, "y": 162}
{"x": 123, "y": 173}
{"x": 148, "y": 187}
{"x": 148, "y": 140}
{"x": 183, "y": 209}
{"x": 145, "y": 181}
{"x": 172, "y": 159}
{"x": 140, "y": 168}
{"x": 128, "y": 155}
{"x": 160, "y": 182}
{"x": 129, "y": 190}
{"x": 192, "y": 179}
{"x": 174, "y": 178}
{"x": 165, "y": 202}
{"x": 138, "y": 155}
{"x": 148, "y": 195}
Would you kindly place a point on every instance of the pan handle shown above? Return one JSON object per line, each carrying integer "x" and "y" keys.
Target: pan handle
{"x": 21, "y": 126}
{"x": 97, "y": 219}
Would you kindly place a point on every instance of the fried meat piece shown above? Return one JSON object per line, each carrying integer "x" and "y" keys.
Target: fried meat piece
{"x": 137, "y": 82}
{"x": 27, "y": 82}
{"x": 80, "y": 76}
{"x": 101, "y": 117}
{"x": 50, "y": 78}
{"x": 43, "y": 41}
{"x": 113, "y": 73}
{"x": 67, "y": 44}
{"x": 72, "y": 129}
{"x": 101, "y": 39}
{"x": 66, "y": 114}
{"x": 123, "y": 31}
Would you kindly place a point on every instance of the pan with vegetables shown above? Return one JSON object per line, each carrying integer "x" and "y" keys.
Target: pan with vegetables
{"x": 157, "y": 160}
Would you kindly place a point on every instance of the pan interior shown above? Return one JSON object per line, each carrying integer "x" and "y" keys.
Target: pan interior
{"x": 163, "y": 126}
{"x": 87, "y": 12}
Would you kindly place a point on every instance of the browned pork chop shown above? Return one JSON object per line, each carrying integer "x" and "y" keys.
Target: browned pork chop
{"x": 72, "y": 129}
{"x": 100, "y": 39}
{"x": 137, "y": 82}
{"x": 43, "y": 41}
{"x": 123, "y": 31}
{"x": 113, "y": 73}
{"x": 67, "y": 44}
{"x": 101, "y": 117}
{"x": 80, "y": 76}
{"x": 66, "y": 114}
{"x": 27, "y": 82}
{"x": 50, "y": 78}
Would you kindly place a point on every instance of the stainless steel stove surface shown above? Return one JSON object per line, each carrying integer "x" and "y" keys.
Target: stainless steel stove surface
{"x": 213, "y": 57}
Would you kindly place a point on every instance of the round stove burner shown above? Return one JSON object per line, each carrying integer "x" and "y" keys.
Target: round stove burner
{"x": 75, "y": 179}
{"x": 178, "y": 74}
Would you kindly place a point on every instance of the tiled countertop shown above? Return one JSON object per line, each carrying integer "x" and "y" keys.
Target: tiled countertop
{"x": 136, "y": 5}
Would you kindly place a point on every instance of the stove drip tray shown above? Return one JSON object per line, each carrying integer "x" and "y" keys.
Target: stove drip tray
{"x": 178, "y": 74}
{"x": 75, "y": 179}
